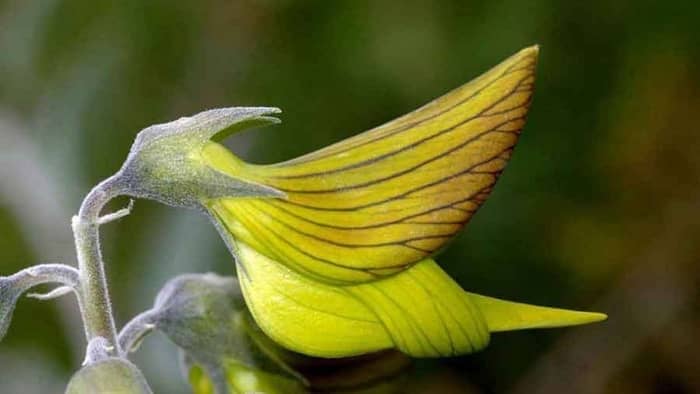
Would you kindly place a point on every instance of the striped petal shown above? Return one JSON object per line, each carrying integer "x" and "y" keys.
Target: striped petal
{"x": 420, "y": 311}
{"x": 372, "y": 205}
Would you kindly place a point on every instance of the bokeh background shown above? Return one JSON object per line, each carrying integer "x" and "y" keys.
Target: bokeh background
{"x": 599, "y": 208}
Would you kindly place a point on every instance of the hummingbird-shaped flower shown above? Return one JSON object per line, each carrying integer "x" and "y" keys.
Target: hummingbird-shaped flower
{"x": 335, "y": 248}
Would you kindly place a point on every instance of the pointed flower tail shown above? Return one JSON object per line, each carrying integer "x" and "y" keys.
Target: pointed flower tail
{"x": 420, "y": 311}
{"x": 503, "y": 315}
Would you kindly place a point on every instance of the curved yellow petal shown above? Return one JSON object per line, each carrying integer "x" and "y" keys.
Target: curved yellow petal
{"x": 304, "y": 315}
{"x": 426, "y": 313}
{"x": 372, "y": 205}
{"x": 420, "y": 311}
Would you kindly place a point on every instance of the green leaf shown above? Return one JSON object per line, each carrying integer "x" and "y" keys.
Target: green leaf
{"x": 109, "y": 376}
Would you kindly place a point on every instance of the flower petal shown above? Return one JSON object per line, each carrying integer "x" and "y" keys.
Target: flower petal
{"x": 372, "y": 205}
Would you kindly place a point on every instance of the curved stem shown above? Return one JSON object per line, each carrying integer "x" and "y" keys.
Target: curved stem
{"x": 47, "y": 273}
{"x": 96, "y": 307}
{"x": 133, "y": 332}
{"x": 13, "y": 286}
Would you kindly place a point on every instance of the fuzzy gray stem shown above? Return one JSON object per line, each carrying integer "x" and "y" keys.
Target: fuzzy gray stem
{"x": 47, "y": 273}
{"x": 96, "y": 306}
{"x": 134, "y": 332}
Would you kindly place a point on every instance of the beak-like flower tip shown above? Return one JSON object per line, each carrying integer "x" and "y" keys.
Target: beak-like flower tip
{"x": 166, "y": 161}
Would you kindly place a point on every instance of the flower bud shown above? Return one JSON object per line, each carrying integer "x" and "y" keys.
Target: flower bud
{"x": 112, "y": 375}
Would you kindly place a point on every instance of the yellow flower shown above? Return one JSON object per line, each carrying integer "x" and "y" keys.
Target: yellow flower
{"x": 341, "y": 264}
{"x": 335, "y": 248}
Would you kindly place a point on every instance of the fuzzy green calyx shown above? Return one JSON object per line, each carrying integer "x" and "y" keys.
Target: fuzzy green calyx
{"x": 109, "y": 376}
{"x": 165, "y": 162}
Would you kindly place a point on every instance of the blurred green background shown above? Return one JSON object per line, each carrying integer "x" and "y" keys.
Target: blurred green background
{"x": 599, "y": 208}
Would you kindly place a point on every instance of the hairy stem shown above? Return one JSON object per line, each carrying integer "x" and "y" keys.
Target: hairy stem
{"x": 46, "y": 273}
{"x": 133, "y": 333}
{"x": 96, "y": 307}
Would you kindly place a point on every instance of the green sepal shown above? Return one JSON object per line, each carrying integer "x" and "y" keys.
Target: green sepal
{"x": 108, "y": 376}
{"x": 165, "y": 162}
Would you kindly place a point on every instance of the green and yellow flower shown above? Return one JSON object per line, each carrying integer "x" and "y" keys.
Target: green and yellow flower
{"x": 335, "y": 248}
